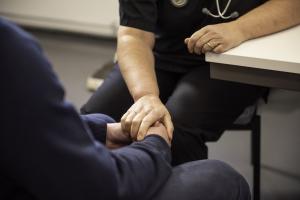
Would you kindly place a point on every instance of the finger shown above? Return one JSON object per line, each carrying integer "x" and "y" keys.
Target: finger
{"x": 206, "y": 48}
{"x": 219, "y": 49}
{"x": 123, "y": 120}
{"x": 194, "y": 38}
{"x": 202, "y": 41}
{"x": 157, "y": 124}
{"x": 192, "y": 42}
{"x": 186, "y": 40}
{"x": 197, "y": 50}
{"x": 211, "y": 45}
{"x": 135, "y": 125}
{"x": 127, "y": 121}
{"x": 167, "y": 121}
{"x": 134, "y": 109}
{"x": 148, "y": 121}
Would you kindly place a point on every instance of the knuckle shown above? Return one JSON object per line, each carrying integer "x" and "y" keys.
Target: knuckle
{"x": 198, "y": 44}
{"x": 147, "y": 110}
{"x": 156, "y": 112}
{"x": 145, "y": 121}
{"x": 213, "y": 31}
{"x": 192, "y": 40}
{"x": 146, "y": 124}
{"x": 135, "y": 122}
{"x": 127, "y": 122}
{"x": 152, "y": 112}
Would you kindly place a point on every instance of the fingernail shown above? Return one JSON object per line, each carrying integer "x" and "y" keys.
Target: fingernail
{"x": 139, "y": 137}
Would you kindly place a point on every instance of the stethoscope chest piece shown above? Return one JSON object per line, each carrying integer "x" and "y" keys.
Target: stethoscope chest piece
{"x": 179, "y": 3}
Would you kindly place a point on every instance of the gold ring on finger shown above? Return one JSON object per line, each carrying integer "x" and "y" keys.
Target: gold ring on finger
{"x": 210, "y": 45}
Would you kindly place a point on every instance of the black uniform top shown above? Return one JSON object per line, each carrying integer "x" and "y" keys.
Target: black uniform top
{"x": 172, "y": 25}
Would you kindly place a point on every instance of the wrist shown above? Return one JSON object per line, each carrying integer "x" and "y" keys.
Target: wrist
{"x": 158, "y": 143}
{"x": 165, "y": 139}
{"x": 145, "y": 94}
{"x": 243, "y": 34}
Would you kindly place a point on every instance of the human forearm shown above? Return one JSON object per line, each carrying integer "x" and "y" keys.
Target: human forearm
{"x": 136, "y": 62}
{"x": 273, "y": 16}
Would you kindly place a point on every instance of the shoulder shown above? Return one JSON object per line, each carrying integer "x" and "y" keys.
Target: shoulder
{"x": 138, "y": 3}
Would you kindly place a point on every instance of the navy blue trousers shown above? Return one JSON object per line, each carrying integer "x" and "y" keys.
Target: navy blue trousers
{"x": 48, "y": 151}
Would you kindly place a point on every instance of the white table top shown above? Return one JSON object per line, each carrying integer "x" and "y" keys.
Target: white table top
{"x": 279, "y": 52}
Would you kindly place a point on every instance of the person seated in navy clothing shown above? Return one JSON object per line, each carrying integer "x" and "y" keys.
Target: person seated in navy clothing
{"x": 49, "y": 152}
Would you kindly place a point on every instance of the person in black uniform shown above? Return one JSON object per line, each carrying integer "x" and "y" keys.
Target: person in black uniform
{"x": 49, "y": 152}
{"x": 161, "y": 73}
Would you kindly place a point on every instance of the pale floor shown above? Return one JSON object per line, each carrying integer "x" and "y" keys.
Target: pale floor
{"x": 76, "y": 57}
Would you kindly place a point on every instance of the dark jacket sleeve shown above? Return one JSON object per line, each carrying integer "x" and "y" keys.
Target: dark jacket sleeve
{"x": 47, "y": 149}
{"x": 97, "y": 123}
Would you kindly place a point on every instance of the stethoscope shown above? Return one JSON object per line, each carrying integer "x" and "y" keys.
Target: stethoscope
{"x": 206, "y": 11}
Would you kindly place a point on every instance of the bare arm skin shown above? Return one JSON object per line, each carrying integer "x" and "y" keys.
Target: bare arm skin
{"x": 136, "y": 62}
{"x": 270, "y": 17}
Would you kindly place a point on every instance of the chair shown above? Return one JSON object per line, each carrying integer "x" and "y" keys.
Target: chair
{"x": 251, "y": 121}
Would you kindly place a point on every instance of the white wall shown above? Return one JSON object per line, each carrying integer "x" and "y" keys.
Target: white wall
{"x": 96, "y": 17}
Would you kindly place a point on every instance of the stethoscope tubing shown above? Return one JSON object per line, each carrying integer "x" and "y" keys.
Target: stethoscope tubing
{"x": 206, "y": 11}
{"x": 221, "y": 14}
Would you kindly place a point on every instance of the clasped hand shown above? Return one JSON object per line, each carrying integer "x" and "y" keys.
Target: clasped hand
{"x": 116, "y": 137}
{"x": 143, "y": 114}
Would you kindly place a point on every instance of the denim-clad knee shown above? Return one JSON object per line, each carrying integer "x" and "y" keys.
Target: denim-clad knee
{"x": 227, "y": 182}
{"x": 205, "y": 179}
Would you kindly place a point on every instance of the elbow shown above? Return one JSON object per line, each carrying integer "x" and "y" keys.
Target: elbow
{"x": 128, "y": 36}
